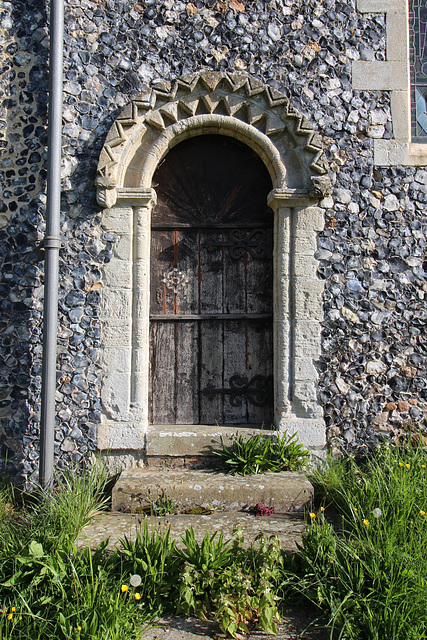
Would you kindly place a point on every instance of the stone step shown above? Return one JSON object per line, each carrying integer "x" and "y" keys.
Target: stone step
{"x": 174, "y": 446}
{"x": 136, "y": 488}
{"x": 288, "y": 527}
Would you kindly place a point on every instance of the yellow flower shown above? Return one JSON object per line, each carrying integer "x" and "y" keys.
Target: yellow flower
{"x": 79, "y": 628}
{"x": 312, "y": 515}
{"x": 355, "y": 508}
{"x": 124, "y": 588}
{"x": 137, "y": 596}
{"x": 10, "y": 616}
{"x": 408, "y": 466}
{"x": 366, "y": 522}
{"x": 400, "y": 464}
{"x": 422, "y": 513}
{"x": 423, "y": 466}
{"x": 13, "y": 609}
{"x": 322, "y": 509}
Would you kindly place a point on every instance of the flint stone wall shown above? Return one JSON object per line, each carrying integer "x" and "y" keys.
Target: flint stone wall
{"x": 372, "y": 373}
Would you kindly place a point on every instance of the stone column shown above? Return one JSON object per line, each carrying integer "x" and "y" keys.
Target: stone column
{"x": 146, "y": 200}
{"x": 281, "y": 306}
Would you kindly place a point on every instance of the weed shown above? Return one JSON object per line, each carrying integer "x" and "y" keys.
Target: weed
{"x": 234, "y": 584}
{"x": 261, "y": 453}
{"x": 153, "y": 557}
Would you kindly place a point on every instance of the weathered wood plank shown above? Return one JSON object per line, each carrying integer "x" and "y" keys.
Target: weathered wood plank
{"x": 211, "y": 372}
{"x": 210, "y": 275}
{"x": 162, "y": 394}
{"x": 259, "y": 274}
{"x": 235, "y": 344}
{"x": 259, "y": 362}
{"x": 234, "y": 279}
{"x": 187, "y": 373}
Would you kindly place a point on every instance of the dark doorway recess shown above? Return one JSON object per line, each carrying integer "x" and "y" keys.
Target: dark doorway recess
{"x": 211, "y": 343}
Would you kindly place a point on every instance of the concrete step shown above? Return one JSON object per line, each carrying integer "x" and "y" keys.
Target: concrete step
{"x": 136, "y": 488}
{"x": 288, "y": 527}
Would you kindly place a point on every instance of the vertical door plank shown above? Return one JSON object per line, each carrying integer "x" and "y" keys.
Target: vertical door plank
{"x": 234, "y": 274}
{"x": 186, "y": 266}
{"x": 187, "y": 375}
{"x": 211, "y": 333}
{"x": 259, "y": 271}
{"x": 211, "y": 371}
{"x": 234, "y": 365}
{"x": 161, "y": 301}
{"x": 210, "y": 274}
{"x": 162, "y": 373}
{"x": 259, "y": 353}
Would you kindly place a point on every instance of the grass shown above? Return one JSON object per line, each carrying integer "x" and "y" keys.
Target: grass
{"x": 51, "y": 589}
{"x": 368, "y": 575}
{"x": 371, "y": 577}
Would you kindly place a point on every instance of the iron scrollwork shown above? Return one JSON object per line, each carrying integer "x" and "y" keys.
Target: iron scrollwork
{"x": 257, "y": 391}
{"x": 240, "y": 242}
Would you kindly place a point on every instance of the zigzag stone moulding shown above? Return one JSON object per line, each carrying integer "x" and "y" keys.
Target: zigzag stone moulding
{"x": 202, "y": 103}
{"x": 240, "y": 107}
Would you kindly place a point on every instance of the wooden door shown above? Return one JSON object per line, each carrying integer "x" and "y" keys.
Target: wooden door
{"x": 211, "y": 353}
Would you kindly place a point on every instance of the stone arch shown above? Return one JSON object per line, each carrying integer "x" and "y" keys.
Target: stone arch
{"x": 245, "y": 109}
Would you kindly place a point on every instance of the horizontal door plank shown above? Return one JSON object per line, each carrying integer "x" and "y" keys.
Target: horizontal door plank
{"x": 213, "y": 316}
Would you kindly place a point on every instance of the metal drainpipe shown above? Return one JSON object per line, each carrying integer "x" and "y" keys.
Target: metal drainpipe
{"x": 52, "y": 244}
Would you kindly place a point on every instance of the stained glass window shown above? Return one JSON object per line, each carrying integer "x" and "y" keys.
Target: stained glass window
{"x": 418, "y": 56}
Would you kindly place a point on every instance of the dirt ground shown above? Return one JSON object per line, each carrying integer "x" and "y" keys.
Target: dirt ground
{"x": 297, "y": 624}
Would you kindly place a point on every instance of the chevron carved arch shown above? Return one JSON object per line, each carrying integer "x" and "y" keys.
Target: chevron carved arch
{"x": 232, "y": 104}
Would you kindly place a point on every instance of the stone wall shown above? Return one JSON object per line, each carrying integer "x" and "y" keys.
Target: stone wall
{"x": 372, "y": 373}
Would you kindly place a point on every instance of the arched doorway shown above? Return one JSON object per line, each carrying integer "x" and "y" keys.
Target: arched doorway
{"x": 146, "y": 133}
{"x": 211, "y": 286}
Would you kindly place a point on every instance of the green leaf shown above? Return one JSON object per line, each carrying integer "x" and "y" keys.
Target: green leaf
{"x": 36, "y": 549}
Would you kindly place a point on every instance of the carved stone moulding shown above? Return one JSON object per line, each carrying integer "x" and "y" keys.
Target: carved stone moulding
{"x": 211, "y": 102}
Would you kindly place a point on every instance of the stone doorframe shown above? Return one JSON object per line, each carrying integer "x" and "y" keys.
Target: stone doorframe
{"x": 243, "y": 108}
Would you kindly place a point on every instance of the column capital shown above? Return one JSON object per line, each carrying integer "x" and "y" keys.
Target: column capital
{"x": 287, "y": 198}
{"x": 137, "y": 197}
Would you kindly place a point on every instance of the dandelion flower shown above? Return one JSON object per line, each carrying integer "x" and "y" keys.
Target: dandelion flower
{"x": 312, "y": 515}
{"x": 13, "y": 609}
{"x": 10, "y": 616}
{"x": 423, "y": 466}
{"x": 124, "y": 588}
{"x": 79, "y": 628}
{"x": 366, "y": 522}
{"x": 322, "y": 509}
{"x": 400, "y": 464}
{"x": 137, "y": 596}
{"x": 355, "y": 508}
{"x": 135, "y": 580}
{"x": 377, "y": 513}
{"x": 408, "y": 466}
{"x": 422, "y": 513}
